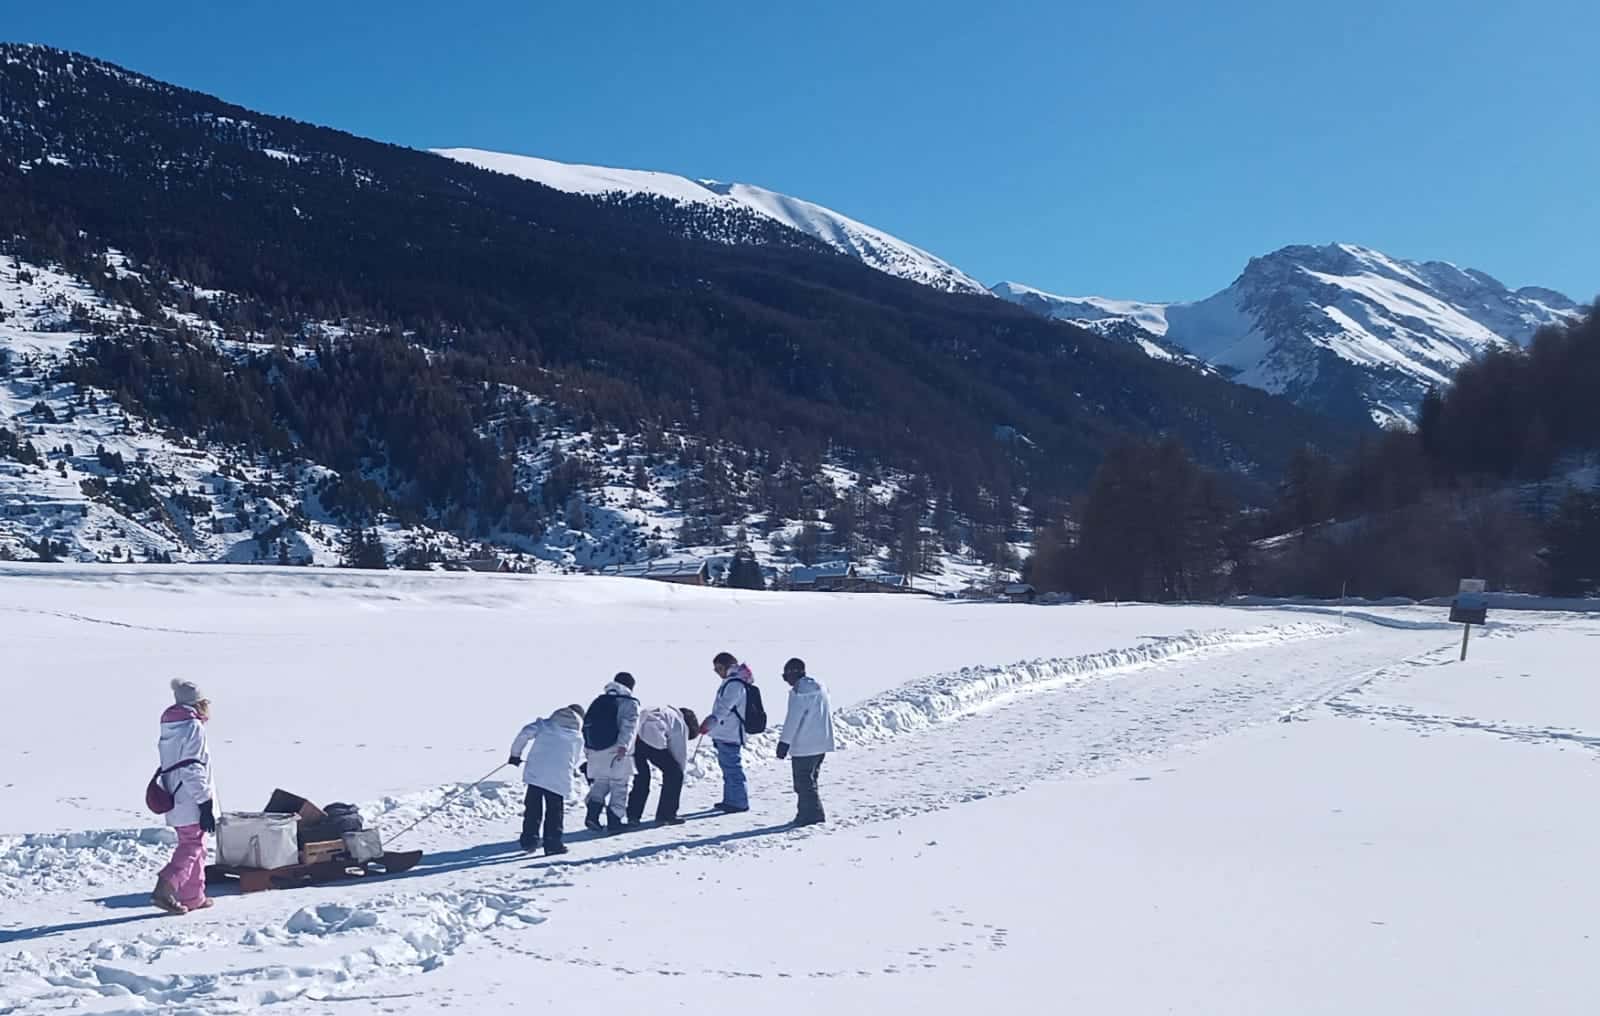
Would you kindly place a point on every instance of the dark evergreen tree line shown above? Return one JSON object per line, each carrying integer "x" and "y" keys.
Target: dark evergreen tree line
{"x": 1475, "y": 491}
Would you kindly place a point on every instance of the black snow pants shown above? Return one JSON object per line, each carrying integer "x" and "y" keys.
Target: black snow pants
{"x": 806, "y": 770}
{"x": 644, "y": 757}
{"x": 538, "y": 804}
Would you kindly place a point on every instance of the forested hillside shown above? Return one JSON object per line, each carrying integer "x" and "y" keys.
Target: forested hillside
{"x": 417, "y": 325}
{"x": 1500, "y": 480}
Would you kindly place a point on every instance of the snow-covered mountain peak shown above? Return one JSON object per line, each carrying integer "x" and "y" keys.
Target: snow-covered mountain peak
{"x": 1338, "y": 327}
{"x": 1086, "y": 310}
{"x": 575, "y": 178}
{"x": 870, "y": 245}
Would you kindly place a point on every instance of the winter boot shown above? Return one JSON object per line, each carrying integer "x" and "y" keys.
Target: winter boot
{"x": 591, "y": 821}
{"x": 615, "y": 824}
{"x": 164, "y": 898}
{"x": 552, "y": 849}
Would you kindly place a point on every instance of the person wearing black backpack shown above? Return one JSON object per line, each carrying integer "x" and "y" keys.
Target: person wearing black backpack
{"x": 609, "y": 727}
{"x": 737, "y": 711}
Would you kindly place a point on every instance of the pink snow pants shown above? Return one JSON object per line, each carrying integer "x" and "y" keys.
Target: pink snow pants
{"x": 186, "y": 872}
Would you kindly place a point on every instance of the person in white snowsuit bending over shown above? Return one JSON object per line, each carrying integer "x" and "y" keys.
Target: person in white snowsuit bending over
{"x": 725, "y": 727}
{"x": 664, "y": 743}
{"x": 554, "y": 751}
{"x": 185, "y": 773}
{"x": 807, "y": 736}
{"x": 609, "y": 728}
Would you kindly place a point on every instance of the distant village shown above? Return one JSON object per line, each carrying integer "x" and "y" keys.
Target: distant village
{"x": 824, "y": 577}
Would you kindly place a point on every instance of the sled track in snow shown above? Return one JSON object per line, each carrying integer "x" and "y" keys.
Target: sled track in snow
{"x": 1511, "y": 732}
{"x": 944, "y": 697}
{"x": 67, "y": 615}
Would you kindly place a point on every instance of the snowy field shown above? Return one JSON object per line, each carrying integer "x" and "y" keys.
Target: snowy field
{"x": 1077, "y": 808}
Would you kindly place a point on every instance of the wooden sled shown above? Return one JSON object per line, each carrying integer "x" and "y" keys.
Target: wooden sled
{"x": 254, "y": 880}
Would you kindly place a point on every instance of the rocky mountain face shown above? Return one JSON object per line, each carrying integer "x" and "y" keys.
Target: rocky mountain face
{"x": 1340, "y": 329}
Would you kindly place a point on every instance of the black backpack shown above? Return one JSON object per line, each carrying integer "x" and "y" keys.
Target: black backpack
{"x": 600, "y": 727}
{"x": 755, "y": 712}
{"x": 337, "y": 819}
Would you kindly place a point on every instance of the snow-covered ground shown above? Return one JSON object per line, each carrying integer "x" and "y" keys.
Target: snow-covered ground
{"x": 1113, "y": 809}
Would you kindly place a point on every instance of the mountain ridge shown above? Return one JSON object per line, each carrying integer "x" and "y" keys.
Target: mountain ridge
{"x": 1338, "y": 328}
{"x": 1341, "y": 329}
{"x": 868, "y": 244}
{"x": 350, "y": 333}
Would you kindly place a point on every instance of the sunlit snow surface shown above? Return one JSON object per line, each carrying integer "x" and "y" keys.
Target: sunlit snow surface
{"x": 1097, "y": 807}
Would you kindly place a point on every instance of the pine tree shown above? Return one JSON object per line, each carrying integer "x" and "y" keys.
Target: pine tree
{"x": 1573, "y": 550}
{"x": 808, "y": 544}
{"x": 745, "y": 573}
{"x": 363, "y": 549}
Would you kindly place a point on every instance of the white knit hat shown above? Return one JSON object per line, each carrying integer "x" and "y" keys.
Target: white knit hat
{"x": 186, "y": 693}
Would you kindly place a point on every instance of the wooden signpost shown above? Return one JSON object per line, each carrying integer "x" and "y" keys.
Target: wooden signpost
{"x": 1470, "y": 607}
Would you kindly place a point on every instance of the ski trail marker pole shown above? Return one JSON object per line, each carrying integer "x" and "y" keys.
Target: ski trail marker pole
{"x": 447, "y": 799}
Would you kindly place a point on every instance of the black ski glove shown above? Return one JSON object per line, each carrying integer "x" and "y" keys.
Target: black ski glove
{"x": 783, "y": 750}
{"x": 208, "y": 818}
{"x": 513, "y": 761}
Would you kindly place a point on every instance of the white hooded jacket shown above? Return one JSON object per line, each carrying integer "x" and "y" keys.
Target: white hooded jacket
{"x": 808, "y": 727}
{"x": 555, "y": 752}
{"x": 727, "y": 712}
{"x": 663, "y": 727}
{"x": 183, "y": 737}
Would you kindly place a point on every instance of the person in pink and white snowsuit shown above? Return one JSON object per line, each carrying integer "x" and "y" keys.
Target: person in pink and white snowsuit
{"x": 186, "y": 775}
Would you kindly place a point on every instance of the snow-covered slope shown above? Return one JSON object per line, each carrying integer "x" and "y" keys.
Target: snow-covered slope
{"x": 1141, "y": 324}
{"x": 83, "y": 478}
{"x": 871, "y": 246}
{"x": 1341, "y": 328}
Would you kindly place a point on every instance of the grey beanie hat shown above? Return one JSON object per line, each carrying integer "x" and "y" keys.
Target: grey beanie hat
{"x": 186, "y": 693}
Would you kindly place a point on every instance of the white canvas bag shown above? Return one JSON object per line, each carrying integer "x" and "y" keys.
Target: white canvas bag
{"x": 255, "y": 839}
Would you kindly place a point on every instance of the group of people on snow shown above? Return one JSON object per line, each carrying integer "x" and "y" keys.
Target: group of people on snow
{"x": 615, "y": 742}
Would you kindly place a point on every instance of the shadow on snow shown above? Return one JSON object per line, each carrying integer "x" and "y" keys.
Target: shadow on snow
{"x": 444, "y": 862}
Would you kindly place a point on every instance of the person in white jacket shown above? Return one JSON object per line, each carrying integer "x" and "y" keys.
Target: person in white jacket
{"x": 807, "y": 736}
{"x": 663, "y": 743}
{"x": 554, "y": 751}
{"x": 609, "y": 729}
{"x": 185, "y": 773}
{"x": 725, "y": 727}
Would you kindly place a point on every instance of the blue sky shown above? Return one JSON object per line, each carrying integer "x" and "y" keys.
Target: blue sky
{"x": 1139, "y": 149}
